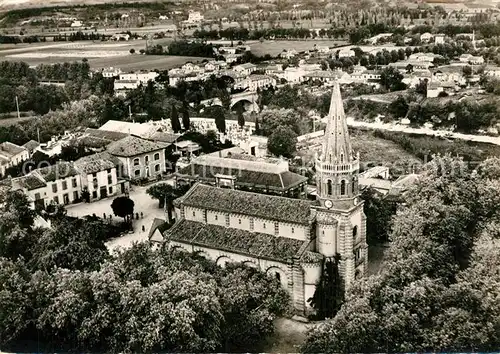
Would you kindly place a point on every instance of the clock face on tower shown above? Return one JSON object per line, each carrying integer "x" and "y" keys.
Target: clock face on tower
{"x": 328, "y": 203}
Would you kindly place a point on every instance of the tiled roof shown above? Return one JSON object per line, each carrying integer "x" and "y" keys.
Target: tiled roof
{"x": 133, "y": 146}
{"x": 93, "y": 142}
{"x": 96, "y": 162}
{"x": 10, "y": 149}
{"x": 30, "y": 182}
{"x": 246, "y": 203}
{"x": 235, "y": 240}
{"x": 31, "y": 145}
{"x": 280, "y": 181}
{"x": 60, "y": 170}
{"x": 164, "y": 137}
{"x": 105, "y": 134}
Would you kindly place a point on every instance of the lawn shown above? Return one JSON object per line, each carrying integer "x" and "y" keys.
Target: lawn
{"x": 274, "y": 47}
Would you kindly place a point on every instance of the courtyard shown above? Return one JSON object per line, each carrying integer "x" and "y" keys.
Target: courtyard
{"x": 143, "y": 203}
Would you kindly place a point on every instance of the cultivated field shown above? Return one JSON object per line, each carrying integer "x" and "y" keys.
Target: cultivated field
{"x": 275, "y": 47}
{"x": 99, "y": 54}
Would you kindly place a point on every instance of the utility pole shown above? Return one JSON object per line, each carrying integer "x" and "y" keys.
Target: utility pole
{"x": 17, "y": 107}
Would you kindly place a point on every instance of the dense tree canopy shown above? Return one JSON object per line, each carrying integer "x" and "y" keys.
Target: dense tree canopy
{"x": 282, "y": 142}
{"x": 436, "y": 290}
{"x": 62, "y": 291}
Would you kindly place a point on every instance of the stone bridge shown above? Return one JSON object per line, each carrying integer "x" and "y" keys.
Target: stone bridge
{"x": 248, "y": 99}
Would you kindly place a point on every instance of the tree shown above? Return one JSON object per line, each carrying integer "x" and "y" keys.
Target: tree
{"x": 282, "y": 142}
{"x": 241, "y": 118}
{"x": 399, "y": 107}
{"x": 186, "y": 122}
{"x": 132, "y": 51}
{"x": 329, "y": 293}
{"x": 174, "y": 120}
{"x": 165, "y": 194}
{"x": 220, "y": 119}
{"x": 123, "y": 207}
{"x": 421, "y": 87}
{"x": 467, "y": 71}
{"x": 257, "y": 126}
{"x": 225, "y": 98}
{"x": 271, "y": 119}
{"x": 430, "y": 291}
{"x": 16, "y": 226}
{"x": 392, "y": 79}
{"x": 379, "y": 212}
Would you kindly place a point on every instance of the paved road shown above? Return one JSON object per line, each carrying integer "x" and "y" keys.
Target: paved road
{"x": 143, "y": 203}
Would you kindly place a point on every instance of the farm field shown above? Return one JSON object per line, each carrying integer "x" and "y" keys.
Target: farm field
{"x": 99, "y": 54}
{"x": 274, "y": 47}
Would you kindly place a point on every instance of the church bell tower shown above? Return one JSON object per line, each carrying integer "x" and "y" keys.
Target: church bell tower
{"x": 340, "y": 220}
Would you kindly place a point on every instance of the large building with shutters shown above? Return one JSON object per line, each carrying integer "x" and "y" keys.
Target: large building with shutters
{"x": 285, "y": 237}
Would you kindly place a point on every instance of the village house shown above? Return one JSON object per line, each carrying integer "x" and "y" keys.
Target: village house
{"x": 31, "y": 146}
{"x": 56, "y": 184}
{"x": 425, "y": 37}
{"x": 11, "y": 155}
{"x": 288, "y": 54}
{"x": 273, "y": 69}
{"x": 215, "y": 65}
{"x": 287, "y": 238}
{"x": 245, "y": 69}
{"x": 435, "y": 89}
{"x": 346, "y": 53}
{"x": 323, "y": 49}
{"x": 492, "y": 71}
{"x": 143, "y": 76}
{"x": 254, "y": 82}
{"x": 101, "y": 175}
{"x": 111, "y": 72}
{"x": 471, "y": 59}
{"x": 244, "y": 171}
{"x": 439, "y": 38}
{"x": 140, "y": 158}
{"x": 322, "y": 76}
{"x": 194, "y": 17}
{"x": 375, "y": 39}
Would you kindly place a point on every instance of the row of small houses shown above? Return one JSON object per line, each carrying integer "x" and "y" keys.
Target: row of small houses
{"x": 122, "y": 158}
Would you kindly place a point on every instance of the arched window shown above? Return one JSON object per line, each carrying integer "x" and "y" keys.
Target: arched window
{"x": 353, "y": 185}
{"x": 354, "y": 231}
{"x": 329, "y": 187}
{"x": 342, "y": 188}
{"x": 157, "y": 156}
{"x": 136, "y": 162}
{"x": 341, "y": 158}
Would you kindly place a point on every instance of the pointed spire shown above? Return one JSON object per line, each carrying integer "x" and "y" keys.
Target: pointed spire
{"x": 336, "y": 143}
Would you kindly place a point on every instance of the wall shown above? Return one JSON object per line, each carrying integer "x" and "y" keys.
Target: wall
{"x": 49, "y": 195}
{"x": 131, "y": 169}
{"x": 243, "y": 222}
{"x": 102, "y": 181}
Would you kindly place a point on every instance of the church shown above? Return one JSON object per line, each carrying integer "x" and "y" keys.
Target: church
{"x": 284, "y": 237}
